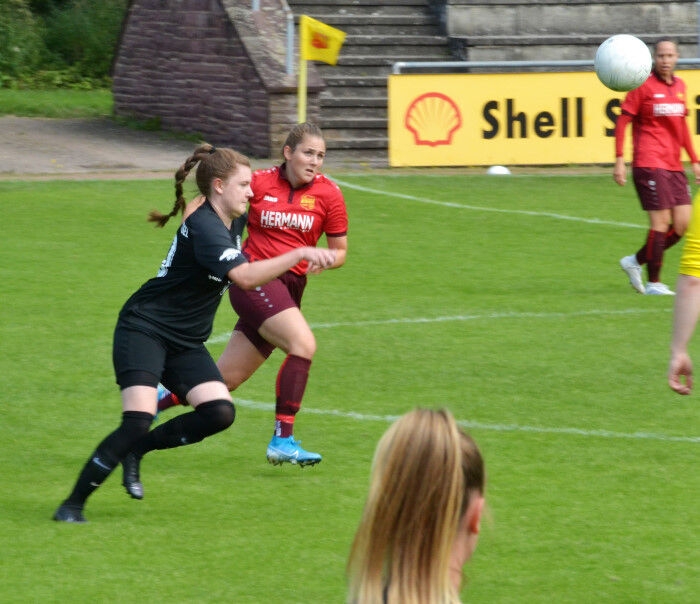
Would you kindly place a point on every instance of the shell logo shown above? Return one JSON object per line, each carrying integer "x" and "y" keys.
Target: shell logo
{"x": 433, "y": 118}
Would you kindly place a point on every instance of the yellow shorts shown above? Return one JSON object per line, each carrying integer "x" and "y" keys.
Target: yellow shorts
{"x": 690, "y": 260}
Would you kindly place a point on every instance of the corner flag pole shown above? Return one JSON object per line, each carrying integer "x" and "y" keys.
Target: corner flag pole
{"x": 317, "y": 42}
{"x": 301, "y": 94}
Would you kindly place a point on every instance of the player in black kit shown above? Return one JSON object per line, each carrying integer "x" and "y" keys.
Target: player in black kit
{"x": 161, "y": 330}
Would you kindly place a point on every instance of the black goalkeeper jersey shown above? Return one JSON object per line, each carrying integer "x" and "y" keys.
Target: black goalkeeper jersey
{"x": 180, "y": 303}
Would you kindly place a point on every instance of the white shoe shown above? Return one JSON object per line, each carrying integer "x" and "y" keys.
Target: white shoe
{"x": 630, "y": 265}
{"x": 656, "y": 288}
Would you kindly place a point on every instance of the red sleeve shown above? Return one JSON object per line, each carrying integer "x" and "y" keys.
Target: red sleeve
{"x": 687, "y": 143}
{"x": 620, "y": 126}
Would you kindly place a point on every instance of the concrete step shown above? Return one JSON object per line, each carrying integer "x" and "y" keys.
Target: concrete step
{"x": 342, "y": 122}
{"x": 335, "y": 103}
{"x": 354, "y": 24}
{"x": 361, "y": 26}
{"x": 353, "y": 92}
{"x": 342, "y": 139}
{"x": 380, "y": 68}
{"x": 385, "y": 59}
{"x": 541, "y": 47}
{"x": 359, "y": 7}
{"x": 520, "y": 17}
{"x": 347, "y": 81}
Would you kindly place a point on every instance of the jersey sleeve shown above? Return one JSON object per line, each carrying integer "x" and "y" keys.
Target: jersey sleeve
{"x": 336, "y": 224}
{"x": 620, "y": 128}
{"x": 214, "y": 246}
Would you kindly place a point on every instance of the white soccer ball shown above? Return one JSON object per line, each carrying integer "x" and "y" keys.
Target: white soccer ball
{"x": 623, "y": 62}
{"x": 498, "y": 171}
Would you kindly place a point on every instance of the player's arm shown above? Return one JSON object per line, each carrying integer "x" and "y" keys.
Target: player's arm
{"x": 340, "y": 246}
{"x": 687, "y": 144}
{"x": 685, "y": 317}
{"x": 620, "y": 169}
{"x": 252, "y": 274}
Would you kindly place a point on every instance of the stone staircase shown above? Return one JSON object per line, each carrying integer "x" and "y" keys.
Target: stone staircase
{"x": 354, "y": 103}
{"x": 522, "y": 30}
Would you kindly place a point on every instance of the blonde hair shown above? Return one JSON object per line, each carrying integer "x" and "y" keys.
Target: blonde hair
{"x": 424, "y": 473}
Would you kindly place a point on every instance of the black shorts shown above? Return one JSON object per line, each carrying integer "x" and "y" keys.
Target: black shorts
{"x": 142, "y": 359}
{"x": 254, "y": 307}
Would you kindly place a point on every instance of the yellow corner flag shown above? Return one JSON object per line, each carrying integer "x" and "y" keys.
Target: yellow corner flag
{"x": 319, "y": 42}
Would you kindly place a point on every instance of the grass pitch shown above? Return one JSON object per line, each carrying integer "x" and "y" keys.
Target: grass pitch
{"x": 498, "y": 297}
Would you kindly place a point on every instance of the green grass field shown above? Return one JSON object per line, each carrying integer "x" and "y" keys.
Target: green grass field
{"x": 498, "y": 297}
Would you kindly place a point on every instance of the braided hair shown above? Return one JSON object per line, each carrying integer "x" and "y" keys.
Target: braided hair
{"x": 213, "y": 163}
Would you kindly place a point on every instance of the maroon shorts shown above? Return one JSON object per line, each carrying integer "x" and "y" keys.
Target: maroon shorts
{"x": 255, "y": 306}
{"x": 661, "y": 189}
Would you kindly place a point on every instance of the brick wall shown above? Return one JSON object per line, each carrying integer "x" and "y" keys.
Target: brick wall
{"x": 210, "y": 68}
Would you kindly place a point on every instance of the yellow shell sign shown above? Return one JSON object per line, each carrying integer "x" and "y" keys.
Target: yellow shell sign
{"x": 509, "y": 119}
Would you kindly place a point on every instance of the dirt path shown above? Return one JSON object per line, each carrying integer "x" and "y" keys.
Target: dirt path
{"x": 85, "y": 148}
{"x": 49, "y": 149}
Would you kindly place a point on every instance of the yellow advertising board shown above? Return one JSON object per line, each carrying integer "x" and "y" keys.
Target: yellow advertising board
{"x": 510, "y": 119}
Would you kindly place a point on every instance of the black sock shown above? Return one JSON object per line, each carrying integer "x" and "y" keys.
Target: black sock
{"x": 188, "y": 428}
{"x": 108, "y": 455}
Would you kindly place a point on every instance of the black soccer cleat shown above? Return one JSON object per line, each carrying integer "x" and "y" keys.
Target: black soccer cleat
{"x": 70, "y": 513}
{"x": 131, "y": 479}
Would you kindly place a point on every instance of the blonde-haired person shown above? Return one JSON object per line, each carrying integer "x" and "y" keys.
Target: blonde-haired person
{"x": 162, "y": 327}
{"x": 422, "y": 515}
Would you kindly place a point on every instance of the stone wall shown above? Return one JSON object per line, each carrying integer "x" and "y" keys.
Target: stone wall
{"x": 563, "y": 29}
{"x": 211, "y": 68}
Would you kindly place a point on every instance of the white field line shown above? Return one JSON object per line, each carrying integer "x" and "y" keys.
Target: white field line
{"x": 223, "y": 337}
{"x": 363, "y": 417}
{"x": 449, "y": 204}
{"x": 485, "y": 316}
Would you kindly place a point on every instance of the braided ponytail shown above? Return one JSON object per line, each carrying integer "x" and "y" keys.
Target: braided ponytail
{"x": 213, "y": 163}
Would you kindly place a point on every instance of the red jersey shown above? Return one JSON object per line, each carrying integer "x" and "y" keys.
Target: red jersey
{"x": 659, "y": 128}
{"x": 281, "y": 218}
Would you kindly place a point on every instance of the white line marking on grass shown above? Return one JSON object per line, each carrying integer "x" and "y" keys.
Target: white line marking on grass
{"x": 363, "y": 417}
{"x": 449, "y": 204}
{"x": 223, "y": 337}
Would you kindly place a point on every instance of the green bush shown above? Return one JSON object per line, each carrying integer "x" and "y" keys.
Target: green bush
{"x": 21, "y": 44}
{"x": 83, "y": 34}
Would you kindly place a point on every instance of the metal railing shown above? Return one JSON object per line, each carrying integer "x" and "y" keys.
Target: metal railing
{"x": 463, "y": 66}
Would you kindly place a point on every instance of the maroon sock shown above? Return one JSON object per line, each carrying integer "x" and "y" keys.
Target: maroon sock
{"x": 291, "y": 383}
{"x": 656, "y": 243}
{"x": 671, "y": 238}
{"x": 169, "y": 400}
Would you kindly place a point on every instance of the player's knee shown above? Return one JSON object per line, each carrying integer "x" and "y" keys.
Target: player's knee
{"x": 217, "y": 415}
{"x": 303, "y": 347}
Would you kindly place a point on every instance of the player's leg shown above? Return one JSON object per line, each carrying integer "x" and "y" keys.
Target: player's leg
{"x": 196, "y": 373}
{"x": 239, "y": 360}
{"x": 138, "y": 391}
{"x": 289, "y": 331}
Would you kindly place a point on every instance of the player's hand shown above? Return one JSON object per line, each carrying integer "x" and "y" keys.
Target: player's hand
{"x": 318, "y": 258}
{"x": 680, "y": 373}
{"x": 696, "y": 171}
{"x": 620, "y": 171}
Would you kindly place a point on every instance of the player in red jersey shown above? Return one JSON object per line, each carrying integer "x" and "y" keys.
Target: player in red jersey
{"x": 293, "y": 206}
{"x": 657, "y": 111}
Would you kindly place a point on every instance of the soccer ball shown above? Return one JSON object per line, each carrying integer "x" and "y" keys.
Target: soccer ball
{"x": 622, "y": 62}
